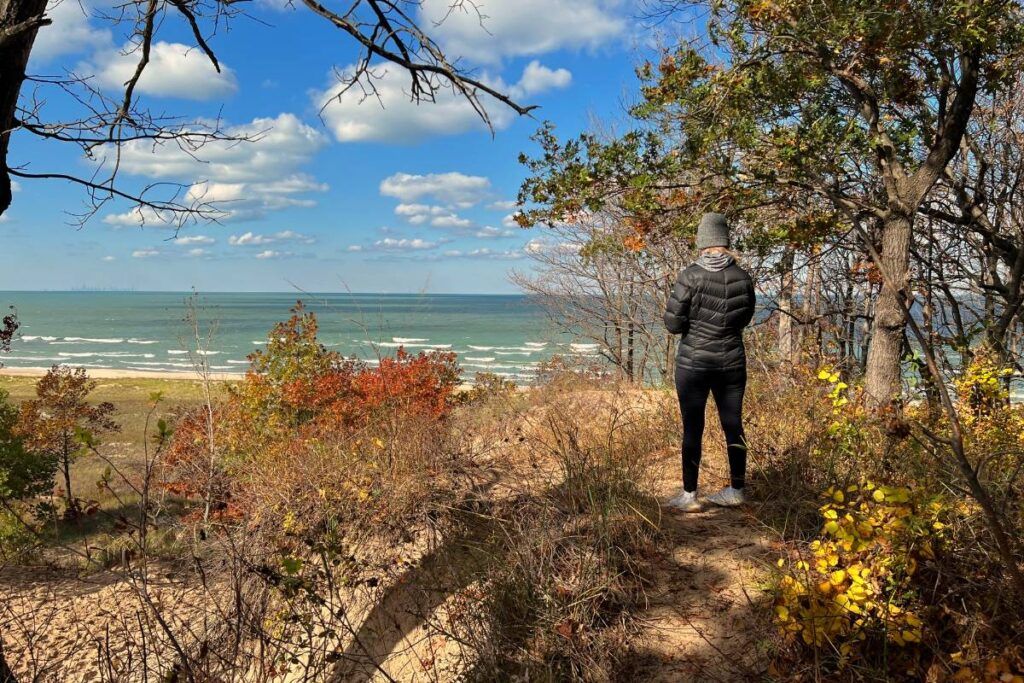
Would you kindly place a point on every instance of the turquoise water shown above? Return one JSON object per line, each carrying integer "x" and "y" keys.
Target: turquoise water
{"x": 506, "y": 335}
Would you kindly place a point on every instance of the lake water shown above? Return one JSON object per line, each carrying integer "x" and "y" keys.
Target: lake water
{"x": 506, "y": 335}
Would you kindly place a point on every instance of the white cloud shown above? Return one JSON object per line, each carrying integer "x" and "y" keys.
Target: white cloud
{"x": 196, "y": 253}
{"x": 251, "y": 239}
{"x": 70, "y": 33}
{"x": 485, "y": 253}
{"x": 450, "y": 221}
{"x": 537, "y": 78}
{"x": 489, "y": 232}
{"x": 452, "y": 188}
{"x": 145, "y": 253}
{"x": 291, "y": 235}
{"x": 142, "y": 216}
{"x": 109, "y": 258}
{"x": 509, "y": 221}
{"x": 489, "y": 30}
{"x": 504, "y": 205}
{"x": 240, "y": 179}
{"x": 15, "y": 186}
{"x": 194, "y": 239}
{"x": 419, "y": 213}
{"x": 540, "y": 246}
{"x": 174, "y": 70}
{"x": 354, "y": 247}
{"x": 404, "y": 244}
{"x": 271, "y": 254}
{"x": 392, "y": 116}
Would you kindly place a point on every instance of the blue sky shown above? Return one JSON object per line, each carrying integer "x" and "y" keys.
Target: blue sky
{"x": 398, "y": 199}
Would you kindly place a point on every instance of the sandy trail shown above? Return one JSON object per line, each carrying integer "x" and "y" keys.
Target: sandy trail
{"x": 706, "y": 618}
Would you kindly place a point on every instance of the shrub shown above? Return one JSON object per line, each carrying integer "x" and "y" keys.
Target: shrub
{"x": 23, "y": 473}
{"x": 55, "y": 423}
{"x": 569, "y": 566}
{"x": 859, "y": 584}
{"x": 15, "y": 538}
{"x": 302, "y": 402}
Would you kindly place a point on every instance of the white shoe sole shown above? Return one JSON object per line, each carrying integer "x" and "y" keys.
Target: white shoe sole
{"x": 689, "y": 507}
{"x": 727, "y": 505}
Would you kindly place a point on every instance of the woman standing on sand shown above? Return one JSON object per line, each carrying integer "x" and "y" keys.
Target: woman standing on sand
{"x": 711, "y": 302}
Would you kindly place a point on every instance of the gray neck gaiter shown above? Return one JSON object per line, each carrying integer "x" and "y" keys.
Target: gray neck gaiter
{"x": 715, "y": 261}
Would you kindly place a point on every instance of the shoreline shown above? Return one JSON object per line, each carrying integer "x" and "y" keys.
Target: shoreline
{"x": 184, "y": 375}
{"x": 116, "y": 373}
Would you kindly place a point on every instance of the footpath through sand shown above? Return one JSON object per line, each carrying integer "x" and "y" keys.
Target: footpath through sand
{"x": 707, "y": 616}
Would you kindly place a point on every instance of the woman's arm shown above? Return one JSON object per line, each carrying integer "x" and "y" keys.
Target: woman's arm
{"x": 748, "y": 311}
{"x": 677, "y": 309}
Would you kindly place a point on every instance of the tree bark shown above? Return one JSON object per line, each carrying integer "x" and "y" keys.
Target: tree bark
{"x": 882, "y": 381}
{"x": 787, "y": 343}
{"x": 14, "y": 53}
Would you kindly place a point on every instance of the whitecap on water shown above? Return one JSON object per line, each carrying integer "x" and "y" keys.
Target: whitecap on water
{"x": 409, "y": 340}
{"x": 480, "y": 360}
{"x": 94, "y": 340}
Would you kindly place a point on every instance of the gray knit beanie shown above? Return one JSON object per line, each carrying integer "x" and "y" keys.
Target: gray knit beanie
{"x": 713, "y": 231}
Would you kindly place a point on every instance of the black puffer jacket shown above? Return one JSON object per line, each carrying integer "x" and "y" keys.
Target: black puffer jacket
{"x": 710, "y": 309}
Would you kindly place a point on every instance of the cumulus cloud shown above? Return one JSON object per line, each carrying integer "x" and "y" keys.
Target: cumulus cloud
{"x": 392, "y": 116}
{"x": 194, "y": 239}
{"x": 271, "y": 254}
{"x": 145, "y": 253}
{"x": 450, "y": 221}
{"x": 541, "y": 246}
{"x": 489, "y": 232}
{"x": 538, "y": 78}
{"x": 198, "y": 252}
{"x": 240, "y": 180}
{"x": 490, "y": 31}
{"x": 404, "y": 244}
{"x": 251, "y": 239}
{"x": 70, "y": 33}
{"x": 174, "y": 70}
{"x": 485, "y": 253}
{"x": 109, "y": 258}
{"x": 453, "y": 188}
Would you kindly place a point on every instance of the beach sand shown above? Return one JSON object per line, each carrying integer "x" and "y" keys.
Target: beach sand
{"x": 112, "y": 373}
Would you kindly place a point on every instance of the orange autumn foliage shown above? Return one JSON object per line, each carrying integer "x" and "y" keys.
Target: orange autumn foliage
{"x": 296, "y": 394}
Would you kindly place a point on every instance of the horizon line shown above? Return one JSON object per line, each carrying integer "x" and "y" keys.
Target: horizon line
{"x": 248, "y": 291}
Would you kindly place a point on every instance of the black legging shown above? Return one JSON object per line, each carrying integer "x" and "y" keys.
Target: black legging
{"x": 727, "y": 386}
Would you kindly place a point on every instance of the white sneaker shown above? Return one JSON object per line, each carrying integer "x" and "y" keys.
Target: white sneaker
{"x": 686, "y": 501}
{"x": 727, "y": 497}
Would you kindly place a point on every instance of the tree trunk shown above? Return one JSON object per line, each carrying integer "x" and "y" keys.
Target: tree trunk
{"x": 809, "y": 314}
{"x": 882, "y": 381}
{"x": 787, "y": 343}
{"x": 72, "y": 510}
{"x": 14, "y": 52}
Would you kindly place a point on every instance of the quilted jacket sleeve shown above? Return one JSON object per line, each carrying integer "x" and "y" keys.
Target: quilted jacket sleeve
{"x": 677, "y": 309}
{"x": 748, "y": 312}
